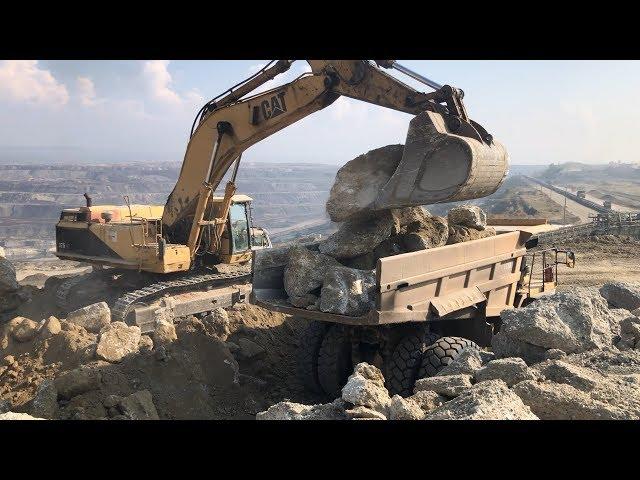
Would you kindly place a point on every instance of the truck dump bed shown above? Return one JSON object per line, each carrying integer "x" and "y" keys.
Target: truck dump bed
{"x": 416, "y": 286}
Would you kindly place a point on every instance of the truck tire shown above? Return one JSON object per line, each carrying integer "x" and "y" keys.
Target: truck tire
{"x": 402, "y": 369}
{"x": 442, "y": 353}
{"x": 334, "y": 360}
{"x": 308, "y": 350}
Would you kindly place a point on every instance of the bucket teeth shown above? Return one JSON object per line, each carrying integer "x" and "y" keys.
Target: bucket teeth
{"x": 440, "y": 166}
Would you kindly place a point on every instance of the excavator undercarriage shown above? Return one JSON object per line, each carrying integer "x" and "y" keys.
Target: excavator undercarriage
{"x": 199, "y": 242}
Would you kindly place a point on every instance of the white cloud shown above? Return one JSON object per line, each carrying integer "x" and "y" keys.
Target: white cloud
{"x": 160, "y": 83}
{"x": 25, "y": 81}
{"x": 87, "y": 92}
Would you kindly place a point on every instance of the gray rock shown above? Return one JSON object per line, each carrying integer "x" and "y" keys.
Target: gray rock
{"x": 365, "y": 388}
{"x": 410, "y": 219}
{"x": 428, "y": 400}
{"x": 470, "y": 216}
{"x": 249, "y": 349}
{"x": 45, "y": 402}
{"x": 449, "y": 386}
{"x": 467, "y": 363}
{"x": 554, "y": 354}
{"x": 23, "y": 329}
{"x": 18, "y": 416}
{"x": 459, "y": 234}
{"x": 76, "y": 382}
{"x": 270, "y": 258}
{"x": 490, "y": 400}
{"x": 433, "y": 233}
{"x": 621, "y": 295}
{"x": 298, "y": 411}
{"x": 117, "y": 340}
{"x": 364, "y": 413}
{"x": 505, "y": 347}
{"x": 347, "y": 291}
{"x": 8, "y": 282}
{"x": 404, "y": 409}
{"x": 578, "y": 377}
{"x": 145, "y": 345}
{"x": 304, "y": 301}
{"x": 92, "y": 317}
{"x": 5, "y": 406}
{"x": 139, "y": 406}
{"x": 359, "y": 181}
{"x": 572, "y": 322}
{"x": 164, "y": 333}
{"x": 111, "y": 401}
{"x": 217, "y": 323}
{"x": 559, "y": 401}
{"x": 510, "y": 370}
{"x": 305, "y": 270}
{"x": 50, "y": 327}
{"x": 359, "y": 236}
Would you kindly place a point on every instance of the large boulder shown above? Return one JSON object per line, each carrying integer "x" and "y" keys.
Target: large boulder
{"x": 459, "y": 234}
{"x": 404, "y": 409}
{"x": 409, "y": 219}
{"x": 22, "y": 329}
{"x": 18, "y": 416}
{"x": 305, "y": 270}
{"x": 470, "y": 216}
{"x": 427, "y": 400}
{"x": 139, "y": 406}
{"x": 432, "y": 233}
{"x": 298, "y": 411}
{"x": 45, "y": 402}
{"x": 490, "y": 400}
{"x": 621, "y": 295}
{"x": 217, "y": 323}
{"x": 467, "y": 363}
{"x": 365, "y": 388}
{"x": 347, "y": 291}
{"x": 8, "y": 282}
{"x": 359, "y": 181}
{"x": 117, "y": 340}
{"x": 510, "y": 370}
{"x": 572, "y": 322}
{"x": 164, "y": 333}
{"x": 448, "y": 386}
{"x": 78, "y": 381}
{"x": 92, "y": 317}
{"x": 359, "y": 236}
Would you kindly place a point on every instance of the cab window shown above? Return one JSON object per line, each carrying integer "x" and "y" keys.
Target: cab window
{"x": 239, "y": 228}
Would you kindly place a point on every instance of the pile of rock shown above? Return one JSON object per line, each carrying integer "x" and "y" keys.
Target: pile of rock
{"x": 337, "y": 275}
{"x": 566, "y": 356}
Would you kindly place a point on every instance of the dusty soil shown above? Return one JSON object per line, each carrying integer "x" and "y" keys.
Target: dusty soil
{"x": 601, "y": 259}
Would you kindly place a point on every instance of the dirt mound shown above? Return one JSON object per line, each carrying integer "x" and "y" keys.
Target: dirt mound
{"x": 195, "y": 376}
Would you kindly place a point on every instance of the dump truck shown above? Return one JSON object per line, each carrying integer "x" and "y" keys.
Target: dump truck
{"x": 429, "y": 306}
{"x": 199, "y": 242}
{"x": 581, "y": 194}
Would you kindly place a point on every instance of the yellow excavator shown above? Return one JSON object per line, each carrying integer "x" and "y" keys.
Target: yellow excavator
{"x": 199, "y": 242}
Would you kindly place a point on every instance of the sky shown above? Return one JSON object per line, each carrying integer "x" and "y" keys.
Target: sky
{"x": 542, "y": 111}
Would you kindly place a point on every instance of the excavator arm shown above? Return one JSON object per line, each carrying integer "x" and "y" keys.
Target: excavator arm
{"x": 231, "y": 124}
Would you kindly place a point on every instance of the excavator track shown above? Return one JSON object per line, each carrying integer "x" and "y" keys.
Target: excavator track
{"x": 63, "y": 301}
{"x": 125, "y": 305}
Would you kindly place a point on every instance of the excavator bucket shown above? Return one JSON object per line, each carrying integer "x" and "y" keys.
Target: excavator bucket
{"x": 440, "y": 166}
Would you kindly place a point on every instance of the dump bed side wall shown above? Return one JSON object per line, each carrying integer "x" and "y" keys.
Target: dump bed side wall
{"x": 455, "y": 276}
{"x": 412, "y": 280}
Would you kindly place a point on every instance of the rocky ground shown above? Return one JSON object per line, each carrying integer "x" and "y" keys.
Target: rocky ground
{"x": 570, "y": 356}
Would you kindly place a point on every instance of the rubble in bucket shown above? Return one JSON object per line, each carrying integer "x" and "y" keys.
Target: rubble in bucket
{"x": 338, "y": 275}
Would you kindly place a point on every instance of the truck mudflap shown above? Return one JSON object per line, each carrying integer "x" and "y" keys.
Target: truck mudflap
{"x": 459, "y": 300}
